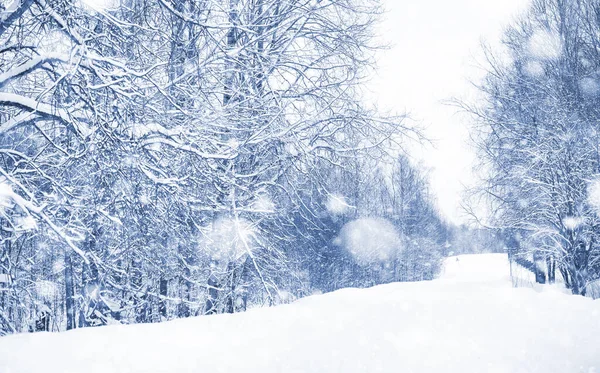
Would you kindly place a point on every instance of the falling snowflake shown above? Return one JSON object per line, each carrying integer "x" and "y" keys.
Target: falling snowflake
{"x": 336, "y": 204}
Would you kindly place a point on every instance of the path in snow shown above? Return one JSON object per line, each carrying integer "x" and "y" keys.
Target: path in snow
{"x": 469, "y": 320}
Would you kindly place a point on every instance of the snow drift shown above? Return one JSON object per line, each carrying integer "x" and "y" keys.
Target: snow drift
{"x": 469, "y": 320}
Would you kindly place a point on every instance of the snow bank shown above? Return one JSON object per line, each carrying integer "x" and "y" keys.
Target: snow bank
{"x": 470, "y": 320}
{"x": 477, "y": 268}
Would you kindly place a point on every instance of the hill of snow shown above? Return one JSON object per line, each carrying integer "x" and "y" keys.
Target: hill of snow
{"x": 469, "y": 320}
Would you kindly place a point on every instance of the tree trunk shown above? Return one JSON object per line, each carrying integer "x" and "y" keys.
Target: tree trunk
{"x": 230, "y": 297}
{"x": 183, "y": 310}
{"x": 213, "y": 293}
{"x": 69, "y": 292}
{"x": 551, "y": 268}
{"x": 538, "y": 264}
{"x": 163, "y": 291}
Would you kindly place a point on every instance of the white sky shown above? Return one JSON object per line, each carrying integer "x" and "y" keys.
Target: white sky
{"x": 435, "y": 47}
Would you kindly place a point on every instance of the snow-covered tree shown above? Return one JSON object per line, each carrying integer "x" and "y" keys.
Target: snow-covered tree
{"x": 539, "y": 138}
{"x": 164, "y": 159}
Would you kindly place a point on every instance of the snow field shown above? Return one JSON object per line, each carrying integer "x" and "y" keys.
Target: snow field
{"x": 469, "y": 320}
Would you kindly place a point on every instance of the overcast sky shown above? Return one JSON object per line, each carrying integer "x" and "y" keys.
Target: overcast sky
{"x": 435, "y": 47}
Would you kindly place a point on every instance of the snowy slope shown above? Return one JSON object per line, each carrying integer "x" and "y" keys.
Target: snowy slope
{"x": 469, "y": 320}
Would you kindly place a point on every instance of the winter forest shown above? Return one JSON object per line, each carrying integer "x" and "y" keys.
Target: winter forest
{"x": 169, "y": 159}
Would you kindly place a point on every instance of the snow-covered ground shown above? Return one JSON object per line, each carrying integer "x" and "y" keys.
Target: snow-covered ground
{"x": 469, "y": 320}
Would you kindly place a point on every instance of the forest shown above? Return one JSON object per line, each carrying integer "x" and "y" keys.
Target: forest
{"x": 166, "y": 159}
{"x": 538, "y": 136}
{"x": 163, "y": 159}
